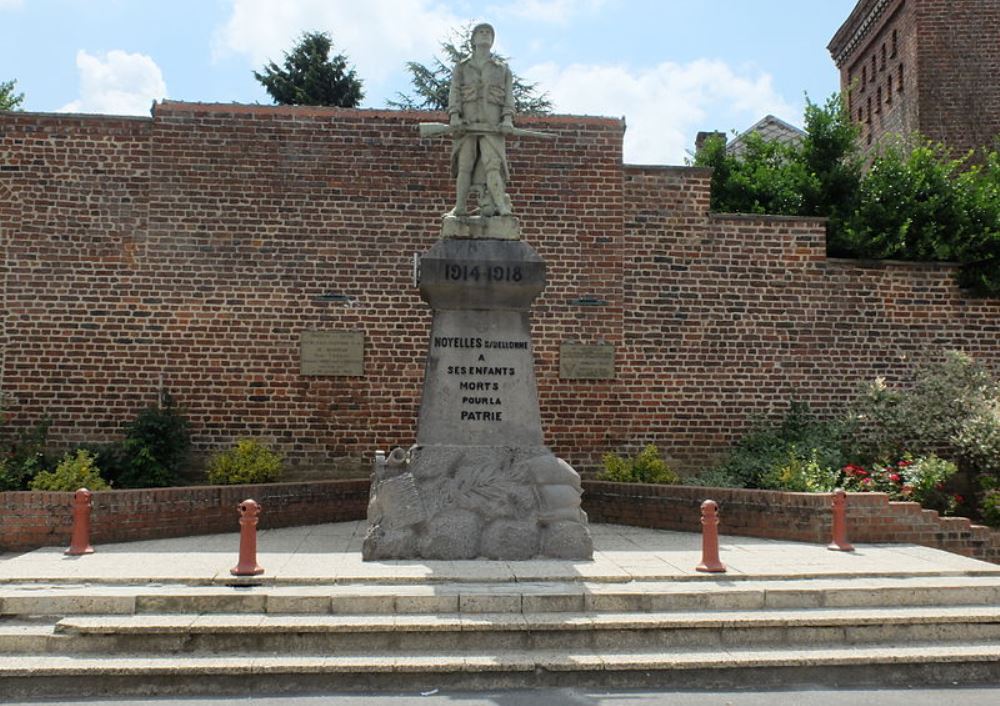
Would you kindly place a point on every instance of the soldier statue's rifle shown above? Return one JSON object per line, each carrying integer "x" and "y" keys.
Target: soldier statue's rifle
{"x": 438, "y": 129}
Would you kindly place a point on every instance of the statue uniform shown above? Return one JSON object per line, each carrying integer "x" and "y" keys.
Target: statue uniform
{"x": 482, "y": 95}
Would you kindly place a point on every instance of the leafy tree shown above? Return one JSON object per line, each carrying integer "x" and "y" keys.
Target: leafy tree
{"x": 921, "y": 204}
{"x": 832, "y": 166}
{"x": 914, "y": 203}
{"x": 818, "y": 177}
{"x": 8, "y": 99}
{"x": 431, "y": 83}
{"x": 909, "y": 206}
{"x": 767, "y": 178}
{"x": 311, "y": 76}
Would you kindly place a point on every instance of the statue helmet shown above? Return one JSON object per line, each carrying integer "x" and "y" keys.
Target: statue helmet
{"x": 483, "y": 25}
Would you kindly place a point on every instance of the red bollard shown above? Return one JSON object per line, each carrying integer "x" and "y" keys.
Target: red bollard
{"x": 79, "y": 542}
{"x": 840, "y": 543}
{"x": 710, "y": 562}
{"x": 248, "y": 566}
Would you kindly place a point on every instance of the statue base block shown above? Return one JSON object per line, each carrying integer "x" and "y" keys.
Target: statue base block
{"x": 493, "y": 227}
{"x": 469, "y": 502}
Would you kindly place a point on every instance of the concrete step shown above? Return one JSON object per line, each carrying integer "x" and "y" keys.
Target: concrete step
{"x": 516, "y": 598}
{"x": 412, "y": 634}
{"x": 884, "y": 664}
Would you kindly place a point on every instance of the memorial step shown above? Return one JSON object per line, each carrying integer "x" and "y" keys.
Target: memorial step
{"x": 445, "y": 598}
{"x": 412, "y": 634}
{"x": 904, "y": 664}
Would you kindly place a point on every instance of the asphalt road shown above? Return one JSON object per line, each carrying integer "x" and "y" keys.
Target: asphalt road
{"x": 988, "y": 696}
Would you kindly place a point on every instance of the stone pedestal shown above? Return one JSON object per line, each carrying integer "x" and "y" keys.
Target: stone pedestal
{"x": 479, "y": 482}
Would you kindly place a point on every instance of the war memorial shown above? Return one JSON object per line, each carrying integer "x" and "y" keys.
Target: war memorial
{"x": 479, "y": 481}
{"x": 469, "y": 560}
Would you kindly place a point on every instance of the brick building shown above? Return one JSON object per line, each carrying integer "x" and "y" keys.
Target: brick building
{"x": 191, "y": 250}
{"x": 927, "y": 66}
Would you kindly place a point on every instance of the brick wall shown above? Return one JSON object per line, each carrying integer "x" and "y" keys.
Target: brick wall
{"x": 30, "y": 519}
{"x": 803, "y": 517}
{"x": 34, "y": 519}
{"x": 189, "y": 251}
{"x": 959, "y": 65}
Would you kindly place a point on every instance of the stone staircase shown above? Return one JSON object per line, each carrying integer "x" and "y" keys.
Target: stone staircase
{"x": 707, "y": 632}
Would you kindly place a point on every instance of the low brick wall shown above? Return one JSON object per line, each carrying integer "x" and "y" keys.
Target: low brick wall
{"x": 32, "y": 519}
{"x": 35, "y": 519}
{"x": 805, "y": 517}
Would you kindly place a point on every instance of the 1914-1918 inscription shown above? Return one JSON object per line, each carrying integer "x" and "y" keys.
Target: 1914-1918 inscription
{"x": 333, "y": 353}
{"x": 580, "y": 361}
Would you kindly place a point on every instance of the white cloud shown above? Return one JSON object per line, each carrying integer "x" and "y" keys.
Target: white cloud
{"x": 549, "y": 11}
{"x": 117, "y": 83}
{"x": 665, "y": 105}
{"x": 378, "y": 36}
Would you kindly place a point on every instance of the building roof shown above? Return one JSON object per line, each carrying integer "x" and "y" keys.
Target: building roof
{"x": 772, "y": 129}
{"x": 861, "y": 21}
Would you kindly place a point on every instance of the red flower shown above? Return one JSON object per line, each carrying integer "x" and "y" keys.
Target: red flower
{"x": 958, "y": 499}
{"x": 904, "y": 464}
{"x": 895, "y": 478}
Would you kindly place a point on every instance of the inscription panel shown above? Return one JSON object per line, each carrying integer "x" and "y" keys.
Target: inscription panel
{"x": 333, "y": 353}
{"x": 582, "y": 361}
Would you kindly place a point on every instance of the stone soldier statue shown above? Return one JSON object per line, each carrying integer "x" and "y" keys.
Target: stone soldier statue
{"x": 481, "y": 110}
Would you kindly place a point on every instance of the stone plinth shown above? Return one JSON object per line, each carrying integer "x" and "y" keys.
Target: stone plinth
{"x": 492, "y": 227}
{"x": 479, "y": 482}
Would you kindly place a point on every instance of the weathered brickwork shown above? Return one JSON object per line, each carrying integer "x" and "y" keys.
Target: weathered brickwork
{"x": 803, "y": 517}
{"x": 31, "y": 520}
{"x": 188, "y": 252}
{"x": 926, "y": 66}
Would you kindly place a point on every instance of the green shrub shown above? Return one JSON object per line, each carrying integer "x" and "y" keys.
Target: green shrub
{"x": 990, "y": 508}
{"x": 75, "y": 471}
{"x": 156, "y": 445}
{"x": 715, "y": 477}
{"x": 26, "y": 456}
{"x": 875, "y": 424}
{"x": 978, "y": 439}
{"x": 802, "y": 474}
{"x": 953, "y": 408}
{"x": 646, "y": 467}
{"x": 923, "y": 480}
{"x": 248, "y": 462}
{"x": 757, "y": 459}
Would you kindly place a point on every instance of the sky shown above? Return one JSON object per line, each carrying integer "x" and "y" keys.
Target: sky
{"x": 670, "y": 67}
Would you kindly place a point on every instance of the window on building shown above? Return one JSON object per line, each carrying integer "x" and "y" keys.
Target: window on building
{"x": 872, "y": 79}
{"x": 895, "y": 39}
{"x": 881, "y": 57}
{"x": 878, "y": 100}
{"x": 899, "y": 79}
{"x": 868, "y": 112}
{"x": 888, "y": 92}
{"x": 864, "y": 77}
{"x": 861, "y": 115}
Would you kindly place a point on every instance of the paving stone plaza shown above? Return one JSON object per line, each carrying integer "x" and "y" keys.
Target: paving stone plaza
{"x": 166, "y": 616}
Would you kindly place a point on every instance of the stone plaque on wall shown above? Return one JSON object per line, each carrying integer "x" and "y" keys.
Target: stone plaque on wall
{"x": 335, "y": 353}
{"x": 584, "y": 361}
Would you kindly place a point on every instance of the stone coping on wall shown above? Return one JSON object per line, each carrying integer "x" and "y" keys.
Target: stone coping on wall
{"x": 326, "y": 111}
{"x": 29, "y": 520}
